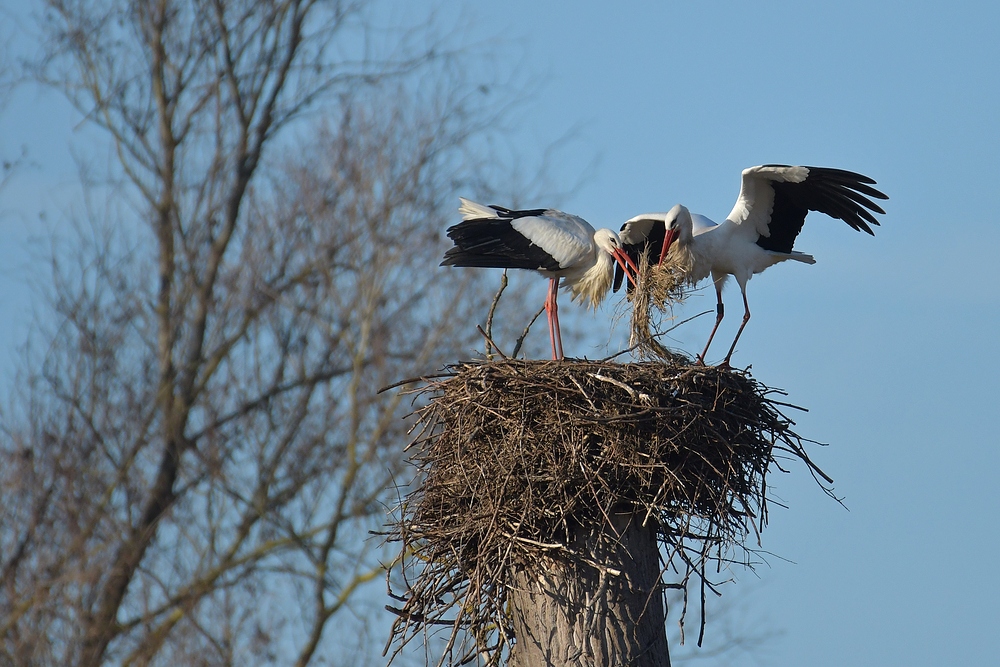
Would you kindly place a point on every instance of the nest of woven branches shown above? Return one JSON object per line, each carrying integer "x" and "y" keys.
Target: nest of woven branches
{"x": 514, "y": 456}
{"x": 660, "y": 286}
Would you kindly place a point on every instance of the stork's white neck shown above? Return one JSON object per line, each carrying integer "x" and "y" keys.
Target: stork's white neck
{"x": 594, "y": 284}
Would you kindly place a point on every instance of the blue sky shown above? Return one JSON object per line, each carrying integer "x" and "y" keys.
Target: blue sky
{"x": 891, "y": 341}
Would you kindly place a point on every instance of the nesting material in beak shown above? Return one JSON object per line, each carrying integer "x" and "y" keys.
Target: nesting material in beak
{"x": 660, "y": 287}
{"x": 628, "y": 266}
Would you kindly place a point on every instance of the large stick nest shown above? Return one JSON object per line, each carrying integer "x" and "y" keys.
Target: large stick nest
{"x": 513, "y": 456}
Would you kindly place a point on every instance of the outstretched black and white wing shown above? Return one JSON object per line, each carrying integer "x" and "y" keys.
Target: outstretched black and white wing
{"x": 775, "y": 199}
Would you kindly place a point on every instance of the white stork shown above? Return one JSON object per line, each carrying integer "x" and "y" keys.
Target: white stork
{"x": 759, "y": 232}
{"x": 556, "y": 244}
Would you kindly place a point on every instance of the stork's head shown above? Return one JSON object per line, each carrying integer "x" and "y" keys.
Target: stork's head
{"x": 609, "y": 242}
{"x": 677, "y": 225}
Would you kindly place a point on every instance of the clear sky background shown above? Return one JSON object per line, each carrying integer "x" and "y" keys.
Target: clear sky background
{"x": 891, "y": 341}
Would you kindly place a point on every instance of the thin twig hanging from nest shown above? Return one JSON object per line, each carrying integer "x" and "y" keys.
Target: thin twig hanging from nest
{"x": 513, "y": 456}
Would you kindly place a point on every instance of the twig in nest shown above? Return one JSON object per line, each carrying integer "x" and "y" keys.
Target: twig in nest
{"x": 675, "y": 357}
{"x": 524, "y": 334}
{"x": 489, "y": 318}
{"x": 631, "y": 392}
{"x": 489, "y": 344}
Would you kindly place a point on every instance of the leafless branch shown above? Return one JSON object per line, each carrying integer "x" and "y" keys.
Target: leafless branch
{"x": 196, "y": 445}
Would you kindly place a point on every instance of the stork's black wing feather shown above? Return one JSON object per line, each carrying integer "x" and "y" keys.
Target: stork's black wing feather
{"x": 841, "y": 194}
{"x": 494, "y": 243}
{"x": 650, "y": 246}
{"x": 513, "y": 214}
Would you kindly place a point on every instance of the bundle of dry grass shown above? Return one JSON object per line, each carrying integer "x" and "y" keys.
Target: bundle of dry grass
{"x": 515, "y": 456}
{"x": 660, "y": 286}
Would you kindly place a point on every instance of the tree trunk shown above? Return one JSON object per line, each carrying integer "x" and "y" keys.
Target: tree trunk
{"x": 605, "y": 612}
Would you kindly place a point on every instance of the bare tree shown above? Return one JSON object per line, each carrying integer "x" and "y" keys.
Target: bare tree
{"x": 196, "y": 449}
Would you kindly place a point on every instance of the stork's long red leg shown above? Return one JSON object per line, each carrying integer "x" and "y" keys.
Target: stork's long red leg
{"x": 552, "y": 310}
{"x": 720, "y": 312}
{"x": 548, "y": 317}
{"x": 555, "y": 316}
{"x": 746, "y": 318}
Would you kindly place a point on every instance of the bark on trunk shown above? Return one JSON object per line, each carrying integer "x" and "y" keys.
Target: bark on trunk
{"x": 569, "y": 613}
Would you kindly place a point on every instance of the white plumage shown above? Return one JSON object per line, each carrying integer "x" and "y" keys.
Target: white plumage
{"x": 553, "y": 243}
{"x": 760, "y": 230}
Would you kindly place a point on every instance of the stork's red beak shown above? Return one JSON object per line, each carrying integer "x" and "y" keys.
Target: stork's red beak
{"x": 626, "y": 263}
{"x": 668, "y": 241}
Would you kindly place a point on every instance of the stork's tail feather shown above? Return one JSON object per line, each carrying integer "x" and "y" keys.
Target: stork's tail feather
{"x": 470, "y": 210}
